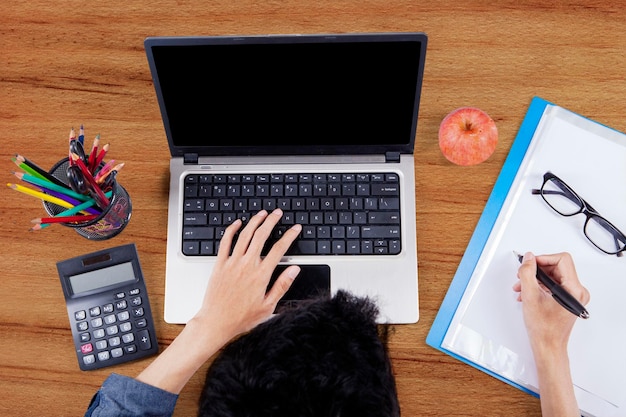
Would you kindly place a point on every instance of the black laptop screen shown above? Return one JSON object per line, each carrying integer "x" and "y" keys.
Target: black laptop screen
{"x": 272, "y": 95}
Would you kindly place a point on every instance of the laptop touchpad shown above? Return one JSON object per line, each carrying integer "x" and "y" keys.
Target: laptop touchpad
{"x": 313, "y": 281}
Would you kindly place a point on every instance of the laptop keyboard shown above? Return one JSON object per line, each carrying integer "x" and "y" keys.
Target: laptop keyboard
{"x": 340, "y": 214}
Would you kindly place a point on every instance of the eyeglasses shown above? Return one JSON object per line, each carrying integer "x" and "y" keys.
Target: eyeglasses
{"x": 560, "y": 196}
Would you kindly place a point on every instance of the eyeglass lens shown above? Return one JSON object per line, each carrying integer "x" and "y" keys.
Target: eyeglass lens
{"x": 598, "y": 230}
{"x": 561, "y": 198}
{"x": 604, "y": 235}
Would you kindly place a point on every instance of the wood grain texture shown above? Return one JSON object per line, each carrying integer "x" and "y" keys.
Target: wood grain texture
{"x": 69, "y": 62}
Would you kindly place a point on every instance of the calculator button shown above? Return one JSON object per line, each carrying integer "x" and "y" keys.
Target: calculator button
{"x": 85, "y": 337}
{"x": 123, "y": 316}
{"x": 144, "y": 340}
{"x": 112, "y": 330}
{"x": 110, "y": 319}
{"x": 136, "y": 301}
{"x": 117, "y": 352}
{"x": 138, "y": 312}
{"x": 128, "y": 338}
{"x": 130, "y": 349}
{"x": 141, "y": 323}
{"x": 94, "y": 311}
{"x": 126, "y": 327}
{"x": 104, "y": 355}
{"x": 98, "y": 333}
{"x": 89, "y": 359}
{"x": 107, "y": 308}
{"x": 82, "y": 326}
{"x": 121, "y": 305}
{"x": 86, "y": 348}
{"x": 80, "y": 315}
{"x": 120, "y": 295}
{"x": 101, "y": 344}
{"x": 115, "y": 341}
{"x": 97, "y": 322}
{"x": 134, "y": 291}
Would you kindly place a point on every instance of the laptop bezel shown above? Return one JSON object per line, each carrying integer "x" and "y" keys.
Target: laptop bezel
{"x": 288, "y": 149}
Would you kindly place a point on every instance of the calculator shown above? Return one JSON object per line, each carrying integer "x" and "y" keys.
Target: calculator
{"x": 108, "y": 307}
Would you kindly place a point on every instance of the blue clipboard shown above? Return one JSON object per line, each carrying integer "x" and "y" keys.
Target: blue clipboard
{"x": 481, "y": 234}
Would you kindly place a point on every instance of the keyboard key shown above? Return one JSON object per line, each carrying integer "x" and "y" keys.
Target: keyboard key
{"x": 372, "y": 232}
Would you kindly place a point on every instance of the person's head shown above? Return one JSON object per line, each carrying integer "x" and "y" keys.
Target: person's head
{"x": 326, "y": 358}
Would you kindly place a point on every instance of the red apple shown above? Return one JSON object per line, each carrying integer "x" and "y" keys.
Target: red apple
{"x": 467, "y": 136}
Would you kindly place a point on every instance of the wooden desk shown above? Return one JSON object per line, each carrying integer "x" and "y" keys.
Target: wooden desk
{"x": 66, "y": 62}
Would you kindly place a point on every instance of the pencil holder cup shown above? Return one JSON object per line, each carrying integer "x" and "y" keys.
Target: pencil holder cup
{"x": 112, "y": 219}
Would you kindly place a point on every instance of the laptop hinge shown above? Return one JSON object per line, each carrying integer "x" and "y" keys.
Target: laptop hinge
{"x": 190, "y": 158}
{"x": 392, "y": 157}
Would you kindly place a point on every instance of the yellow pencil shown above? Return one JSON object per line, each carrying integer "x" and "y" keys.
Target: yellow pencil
{"x": 40, "y": 195}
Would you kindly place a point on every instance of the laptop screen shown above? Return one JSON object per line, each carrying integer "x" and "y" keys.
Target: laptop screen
{"x": 308, "y": 94}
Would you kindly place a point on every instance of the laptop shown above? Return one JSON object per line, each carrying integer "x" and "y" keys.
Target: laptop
{"x": 322, "y": 126}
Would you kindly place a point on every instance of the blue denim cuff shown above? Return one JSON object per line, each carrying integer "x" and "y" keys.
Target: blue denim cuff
{"x": 124, "y": 396}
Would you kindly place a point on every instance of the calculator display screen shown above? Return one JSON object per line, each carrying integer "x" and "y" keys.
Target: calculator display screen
{"x": 101, "y": 278}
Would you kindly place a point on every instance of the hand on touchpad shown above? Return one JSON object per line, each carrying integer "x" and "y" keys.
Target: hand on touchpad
{"x": 313, "y": 281}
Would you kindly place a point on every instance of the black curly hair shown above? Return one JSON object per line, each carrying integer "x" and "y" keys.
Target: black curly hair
{"x": 325, "y": 358}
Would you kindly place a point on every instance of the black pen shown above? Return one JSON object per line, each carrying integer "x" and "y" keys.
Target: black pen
{"x": 567, "y": 300}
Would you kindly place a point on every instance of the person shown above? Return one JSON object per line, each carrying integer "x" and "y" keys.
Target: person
{"x": 549, "y": 326}
{"x": 237, "y": 300}
{"x": 326, "y": 357}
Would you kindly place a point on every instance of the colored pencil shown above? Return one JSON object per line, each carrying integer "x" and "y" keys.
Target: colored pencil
{"x": 93, "y": 154}
{"x": 72, "y": 211}
{"x": 81, "y": 134}
{"x": 72, "y": 137}
{"x": 40, "y": 195}
{"x": 50, "y": 186}
{"x": 26, "y": 168}
{"x": 65, "y": 219}
{"x": 103, "y": 177}
{"x": 105, "y": 170}
{"x": 102, "y": 200}
{"x": 39, "y": 172}
{"x": 71, "y": 200}
{"x": 100, "y": 156}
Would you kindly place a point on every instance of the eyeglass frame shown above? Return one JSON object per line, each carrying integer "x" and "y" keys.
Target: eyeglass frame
{"x": 584, "y": 208}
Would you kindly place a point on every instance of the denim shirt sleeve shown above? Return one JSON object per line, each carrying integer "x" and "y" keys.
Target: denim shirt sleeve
{"x": 122, "y": 396}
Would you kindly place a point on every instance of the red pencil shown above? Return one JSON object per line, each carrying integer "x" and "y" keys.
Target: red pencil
{"x": 94, "y": 153}
{"x": 65, "y": 219}
{"x": 100, "y": 157}
{"x": 103, "y": 201}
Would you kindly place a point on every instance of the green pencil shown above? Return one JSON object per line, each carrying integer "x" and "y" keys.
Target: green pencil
{"x": 36, "y": 170}
{"x": 28, "y": 169}
{"x": 50, "y": 185}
